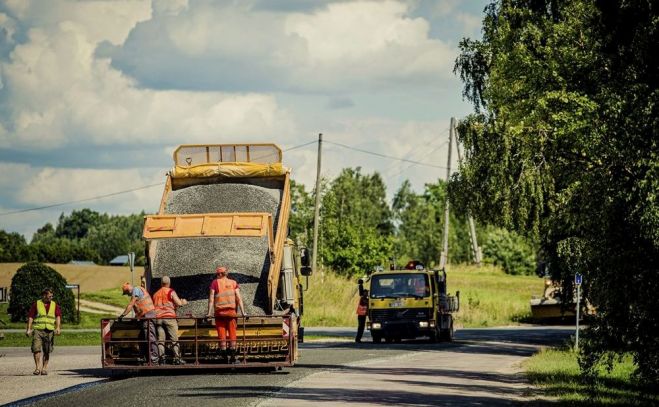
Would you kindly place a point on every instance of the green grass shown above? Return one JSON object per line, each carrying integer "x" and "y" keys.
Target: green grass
{"x": 489, "y": 297}
{"x": 331, "y": 300}
{"x": 67, "y": 338}
{"x": 87, "y": 320}
{"x": 111, "y": 296}
{"x": 557, "y": 373}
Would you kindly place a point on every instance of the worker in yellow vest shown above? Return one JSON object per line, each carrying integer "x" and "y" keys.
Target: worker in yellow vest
{"x": 43, "y": 322}
{"x": 142, "y": 306}
{"x": 166, "y": 301}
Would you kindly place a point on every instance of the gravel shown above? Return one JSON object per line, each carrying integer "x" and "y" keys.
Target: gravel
{"x": 191, "y": 263}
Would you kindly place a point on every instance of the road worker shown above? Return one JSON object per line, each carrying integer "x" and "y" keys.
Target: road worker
{"x": 362, "y": 311}
{"x": 43, "y": 322}
{"x": 165, "y": 302}
{"x": 142, "y": 305}
{"x": 223, "y": 300}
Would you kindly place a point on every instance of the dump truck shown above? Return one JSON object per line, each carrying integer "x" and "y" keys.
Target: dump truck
{"x": 222, "y": 205}
{"x": 409, "y": 303}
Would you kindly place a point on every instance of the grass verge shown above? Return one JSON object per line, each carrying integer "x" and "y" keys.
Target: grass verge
{"x": 110, "y": 296}
{"x": 557, "y": 373}
{"x": 87, "y": 320}
{"x": 67, "y": 338}
{"x": 489, "y": 297}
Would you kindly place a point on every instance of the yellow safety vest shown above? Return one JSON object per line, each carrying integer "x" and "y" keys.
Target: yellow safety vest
{"x": 45, "y": 320}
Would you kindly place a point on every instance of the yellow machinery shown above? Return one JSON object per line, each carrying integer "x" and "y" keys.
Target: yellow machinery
{"x": 209, "y": 215}
{"x": 410, "y": 303}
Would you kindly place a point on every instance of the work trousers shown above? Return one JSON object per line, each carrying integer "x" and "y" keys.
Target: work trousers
{"x": 148, "y": 331}
{"x": 167, "y": 330}
{"x": 361, "y": 323}
{"x": 224, "y": 325}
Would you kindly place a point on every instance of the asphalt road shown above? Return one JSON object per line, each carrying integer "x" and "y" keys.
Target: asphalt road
{"x": 249, "y": 388}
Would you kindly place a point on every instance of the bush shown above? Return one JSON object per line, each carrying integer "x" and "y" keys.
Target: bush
{"x": 26, "y": 287}
{"x": 510, "y": 251}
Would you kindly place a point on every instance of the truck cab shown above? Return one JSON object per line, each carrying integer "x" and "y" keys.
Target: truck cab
{"x": 409, "y": 303}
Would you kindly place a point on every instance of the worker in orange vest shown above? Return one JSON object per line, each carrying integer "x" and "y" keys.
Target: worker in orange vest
{"x": 166, "y": 301}
{"x": 362, "y": 311}
{"x": 223, "y": 299}
{"x": 142, "y": 305}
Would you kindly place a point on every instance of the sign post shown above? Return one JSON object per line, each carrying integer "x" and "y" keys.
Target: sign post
{"x": 131, "y": 263}
{"x": 577, "y": 281}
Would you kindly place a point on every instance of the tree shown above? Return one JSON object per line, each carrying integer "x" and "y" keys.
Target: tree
{"x": 302, "y": 213}
{"x": 356, "y": 227}
{"x": 27, "y": 285}
{"x": 563, "y": 148}
{"x": 13, "y": 247}
{"x": 420, "y": 225}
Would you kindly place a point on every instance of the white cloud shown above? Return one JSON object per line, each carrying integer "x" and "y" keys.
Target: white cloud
{"x": 343, "y": 46}
{"x": 61, "y": 93}
{"x": 49, "y": 186}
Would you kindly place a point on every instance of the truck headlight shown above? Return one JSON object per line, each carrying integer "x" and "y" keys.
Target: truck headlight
{"x": 376, "y": 325}
{"x": 431, "y": 324}
{"x": 423, "y": 324}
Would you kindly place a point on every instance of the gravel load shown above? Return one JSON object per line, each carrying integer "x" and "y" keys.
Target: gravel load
{"x": 191, "y": 263}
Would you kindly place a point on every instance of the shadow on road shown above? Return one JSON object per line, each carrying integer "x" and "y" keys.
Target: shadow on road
{"x": 341, "y": 395}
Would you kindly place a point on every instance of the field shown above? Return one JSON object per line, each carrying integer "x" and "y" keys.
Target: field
{"x": 557, "y": 373}
{"x": 90, "y": 278}
{"x": 489, "y": 297}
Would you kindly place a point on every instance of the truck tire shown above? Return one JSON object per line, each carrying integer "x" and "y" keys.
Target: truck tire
{"x": 446, "y": 335}
{"x": 376, "y": 338}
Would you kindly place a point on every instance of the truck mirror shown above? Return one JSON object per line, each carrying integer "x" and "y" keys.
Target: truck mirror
{"x": 306, "y": 270}
{"x": 305, "y": 258}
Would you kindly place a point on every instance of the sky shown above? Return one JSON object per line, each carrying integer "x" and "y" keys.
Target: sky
{"x": 96, "y": 95}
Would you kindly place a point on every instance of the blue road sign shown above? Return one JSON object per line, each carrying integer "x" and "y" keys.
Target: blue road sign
{"x": 577, "y": 279}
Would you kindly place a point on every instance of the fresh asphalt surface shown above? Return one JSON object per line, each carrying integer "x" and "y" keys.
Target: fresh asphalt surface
{"x": 244, "y": 388}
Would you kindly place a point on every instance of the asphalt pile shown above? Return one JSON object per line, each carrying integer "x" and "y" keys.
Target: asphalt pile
{"x": 191, "y": 263}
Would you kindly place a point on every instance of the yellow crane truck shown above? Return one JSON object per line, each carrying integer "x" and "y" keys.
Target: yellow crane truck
{"x": 228, "y": 205}
{"x": 409, "y": 303}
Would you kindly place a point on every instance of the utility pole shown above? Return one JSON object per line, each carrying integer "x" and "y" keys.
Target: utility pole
{"x": 444, "y": 257}
{"x": 317, "y": 206}
{"x": 478, "y": 257}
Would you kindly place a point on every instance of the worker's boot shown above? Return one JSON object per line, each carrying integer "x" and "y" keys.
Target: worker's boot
{"x": 224, "y": 356}
{"x": 232, "y": 356}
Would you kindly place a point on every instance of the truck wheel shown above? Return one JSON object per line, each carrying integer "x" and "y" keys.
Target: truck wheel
{"x": 376, "y": 338}
{"x": 447, "y": 334}
{"x": 388, "y": 339}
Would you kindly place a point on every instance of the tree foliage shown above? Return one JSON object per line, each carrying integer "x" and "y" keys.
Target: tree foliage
{"x": 81, "y": 235}
{"x": 563, "y": 148}
{"x": 356, "y": 229}
{"x": 27, "y": 285}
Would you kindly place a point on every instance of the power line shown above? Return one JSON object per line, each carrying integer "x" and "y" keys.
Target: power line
{"x": 386, "y": 156}
{"x": 423, "y": 156}
{"x": 114, "y": 193}
{"x": 423, "y": 145}
{"x": 81, "y": 200}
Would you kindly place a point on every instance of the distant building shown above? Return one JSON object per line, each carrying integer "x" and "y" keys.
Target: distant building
{"x": 82, "y": 263}
{"x": 120, "y": 260}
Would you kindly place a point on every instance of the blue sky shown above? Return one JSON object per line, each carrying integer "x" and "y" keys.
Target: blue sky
{"x": 95, "y": 95}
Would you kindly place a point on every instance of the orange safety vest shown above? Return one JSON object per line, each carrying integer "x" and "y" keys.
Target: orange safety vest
{"x": 143, "y": 305}
{"x": 225, "y": 297}
{"x": 362, "y": 307}
{"x": 165, "y": 308}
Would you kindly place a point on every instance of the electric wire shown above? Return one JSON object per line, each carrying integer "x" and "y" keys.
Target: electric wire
{"x": 113, "y": 193}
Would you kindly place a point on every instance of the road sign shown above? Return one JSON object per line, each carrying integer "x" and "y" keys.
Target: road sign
{"x": 577, "y": 279}
{"x": 72, "y": 285}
